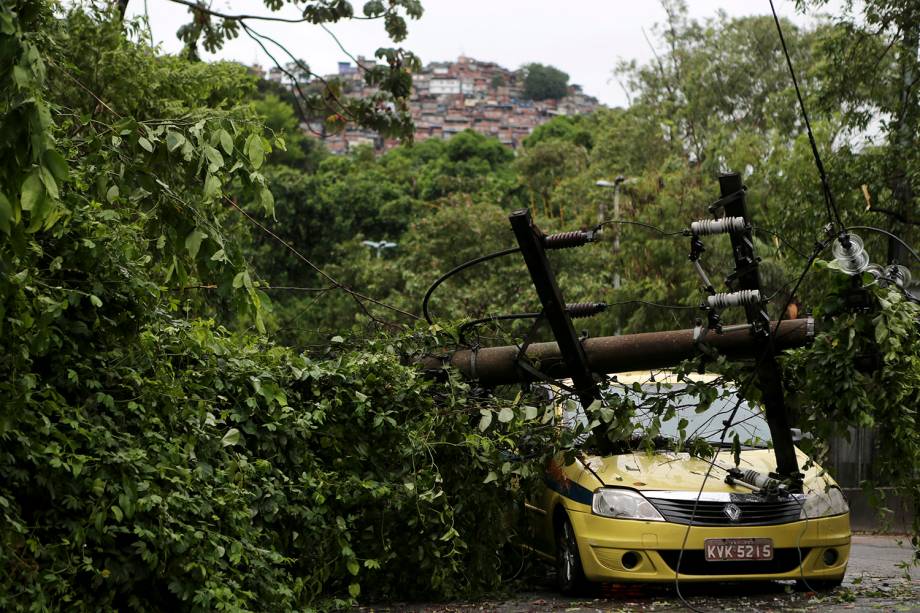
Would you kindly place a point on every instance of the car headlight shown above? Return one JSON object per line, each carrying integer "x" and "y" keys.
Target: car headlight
{"x": 623, "y": 504}
{"x": 823, "y": 504}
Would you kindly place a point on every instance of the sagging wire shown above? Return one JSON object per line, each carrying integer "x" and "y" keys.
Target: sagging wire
{"x": 578, "y": 310}
{"x": 464, "y": 328}
{"x": 657, "y": 305}
{"x": 575, "y": 311}
{"x": 853, "y": 260}
{"x": 447, "y": 275}
{"x": 357, "y": 296}
{"x": 699, "y": 494}
{"x": 782, "y": 239}
{"x": 560, "y": 240}
{"x": 640, "y": 224}
{"x": 889, "y": 235}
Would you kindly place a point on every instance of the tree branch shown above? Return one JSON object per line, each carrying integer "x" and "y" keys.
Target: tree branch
{"x": 204, "y": 9}
{"x": 343, "y": 110}
{"x": 358, "y": 297}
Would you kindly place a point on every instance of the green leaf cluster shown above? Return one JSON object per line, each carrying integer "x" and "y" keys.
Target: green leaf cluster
{"x": 863, "y": 370}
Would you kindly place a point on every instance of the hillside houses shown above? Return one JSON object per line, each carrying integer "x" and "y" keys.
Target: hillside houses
{"x": 450, "y": 97}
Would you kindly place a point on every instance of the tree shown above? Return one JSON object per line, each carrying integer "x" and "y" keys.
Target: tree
{"x": 720, "y": 83}
{"x": 544, "y": 82}
{"x": 574, "y": 128}
{"x": 351, "y": 198}
{"x": 542, "y": 168}
{"x": 301, "y": 151}
{"x": 873, "y": 68}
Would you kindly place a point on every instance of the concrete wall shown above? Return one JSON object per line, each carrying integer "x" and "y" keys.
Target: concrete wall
{"x": 850, "y": 462}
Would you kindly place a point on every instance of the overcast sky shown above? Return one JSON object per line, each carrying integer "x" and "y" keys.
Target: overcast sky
{"x": 585, "y": 38}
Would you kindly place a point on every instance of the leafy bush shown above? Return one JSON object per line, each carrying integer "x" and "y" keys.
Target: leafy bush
{"x": 151, "y": 458}
{"x": 863, "y": 370}
{"x": 193, "y": 468}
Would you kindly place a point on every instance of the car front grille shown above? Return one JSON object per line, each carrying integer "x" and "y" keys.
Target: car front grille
{"x": 754, "y": 511}
{"x": 694, "y": 563}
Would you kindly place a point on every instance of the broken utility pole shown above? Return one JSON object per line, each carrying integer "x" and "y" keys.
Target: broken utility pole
{"x": 532, "y": 243}
{"x": 585, "y": 360}
{"x": 768, "y": 376}
{"x": 491, "y": 366}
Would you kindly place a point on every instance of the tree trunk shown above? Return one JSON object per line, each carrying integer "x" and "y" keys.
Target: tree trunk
{"x": 122, "y": 7}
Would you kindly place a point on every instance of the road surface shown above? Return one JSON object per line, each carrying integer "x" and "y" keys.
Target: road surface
{"x": 875, "y": 581}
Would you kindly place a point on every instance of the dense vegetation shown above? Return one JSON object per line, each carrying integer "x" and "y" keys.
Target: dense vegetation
{"x": 544, "y": 82}
{"x": 195, "y": 416}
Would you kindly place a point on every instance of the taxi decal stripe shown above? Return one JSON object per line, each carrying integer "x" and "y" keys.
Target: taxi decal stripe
{"x": 571, "y": 490}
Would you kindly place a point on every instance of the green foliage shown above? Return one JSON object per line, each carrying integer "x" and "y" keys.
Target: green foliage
{"x": 190, "y": 468}
{"x": 863, "y": 370}
{"x": 544, "y": 82}
{"x": 33, "y": 171}
{"x": 150, "y": 458}
{"x": 544, "y": 165}
{"x": 302, "y": 152}
{"x": 870, "y": 58}
{"x": 349, "y": 199}
{"x": 386, "y": 111}
{"x": 158, "y": 451}
{"x": 576, "y": 129}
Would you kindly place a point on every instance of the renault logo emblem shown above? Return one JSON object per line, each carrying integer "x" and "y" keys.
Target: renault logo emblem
{"x": 732, "y": 511}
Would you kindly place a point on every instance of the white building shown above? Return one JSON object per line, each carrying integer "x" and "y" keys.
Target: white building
{"x": 437, "y": 87}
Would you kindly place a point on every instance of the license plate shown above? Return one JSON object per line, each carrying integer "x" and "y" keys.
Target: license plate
{"x": 720, "y": 550}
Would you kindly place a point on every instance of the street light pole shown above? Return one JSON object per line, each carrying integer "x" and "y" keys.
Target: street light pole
{"x": 602, "y": 210}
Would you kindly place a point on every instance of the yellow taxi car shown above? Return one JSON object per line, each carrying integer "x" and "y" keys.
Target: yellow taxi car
{"x": 657, "y": 517}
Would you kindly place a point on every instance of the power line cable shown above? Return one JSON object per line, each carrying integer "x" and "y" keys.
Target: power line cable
{"x": 888, "y": 234}
{"x": 832, "y": 212}
{"x": 834, "y": 217}
{"x": 658, "y": 305}
{"x": 515, "y": 316}
{"x": 358, "y": 297}
{"x": 819, "y": 248}
{"x": 783, "y": 239}
{"x": 447, "y": 275}
{"x": 461, "y": 332}
{"x": 608, "y": 222}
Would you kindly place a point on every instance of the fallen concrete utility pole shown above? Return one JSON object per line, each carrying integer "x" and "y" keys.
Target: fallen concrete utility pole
{"x": 612, "y": 354}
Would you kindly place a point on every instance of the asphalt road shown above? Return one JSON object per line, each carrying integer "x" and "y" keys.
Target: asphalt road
{"x": 875, "y": 581}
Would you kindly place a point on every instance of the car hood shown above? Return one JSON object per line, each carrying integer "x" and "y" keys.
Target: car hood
{"x": 680, "y": 471}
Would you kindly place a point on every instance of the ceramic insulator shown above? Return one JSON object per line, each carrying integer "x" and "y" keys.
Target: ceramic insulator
{"x": 725, "y": 300}
{"x": 705, "y": 227}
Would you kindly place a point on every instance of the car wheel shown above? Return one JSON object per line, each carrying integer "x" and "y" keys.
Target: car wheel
{"x": 569, "y": 574}
{"x": 817, "y": 585}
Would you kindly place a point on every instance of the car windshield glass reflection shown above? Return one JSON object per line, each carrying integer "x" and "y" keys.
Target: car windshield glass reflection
{"x": 749, "y": 423}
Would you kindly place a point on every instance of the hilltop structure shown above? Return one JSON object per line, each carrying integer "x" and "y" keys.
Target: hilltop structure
{"x": 449, "y": 97}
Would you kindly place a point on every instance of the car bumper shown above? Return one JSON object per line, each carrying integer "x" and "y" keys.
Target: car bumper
{"x": 654, "y": 548}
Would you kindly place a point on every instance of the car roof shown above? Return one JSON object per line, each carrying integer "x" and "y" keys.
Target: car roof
{"x": 661, "y": 376}
{"x": 655, "y": 376}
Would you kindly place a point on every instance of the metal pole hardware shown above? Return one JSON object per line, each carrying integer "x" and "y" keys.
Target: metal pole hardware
{"x": 531, "y": 241}
{"x": 746, "y": 278}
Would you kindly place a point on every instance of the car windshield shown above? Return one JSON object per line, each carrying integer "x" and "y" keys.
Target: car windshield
{"x": 748, "y": 423}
